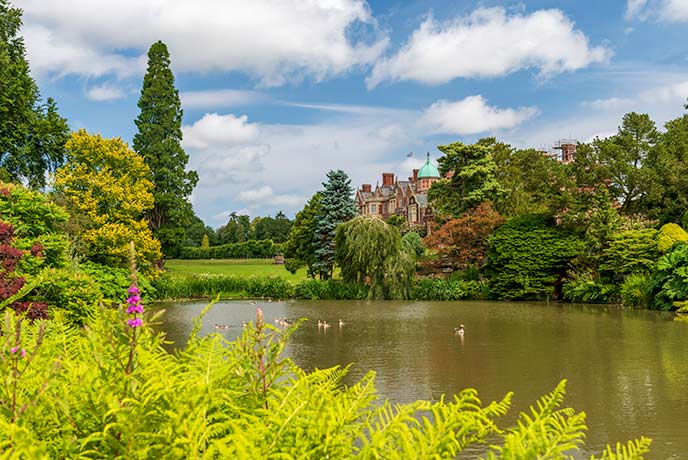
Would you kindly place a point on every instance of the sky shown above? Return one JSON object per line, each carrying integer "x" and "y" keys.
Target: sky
{"x": 276, "y": 93}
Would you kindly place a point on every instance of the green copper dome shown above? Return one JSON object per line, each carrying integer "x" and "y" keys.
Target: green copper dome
{"x": 428, "y": 170}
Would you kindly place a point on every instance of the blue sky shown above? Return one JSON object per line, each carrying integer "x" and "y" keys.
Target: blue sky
{"x": 277, "y": 92}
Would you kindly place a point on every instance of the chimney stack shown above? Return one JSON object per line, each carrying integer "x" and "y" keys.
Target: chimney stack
{"x": 387, "y": 179}
{"x": 366, "y": 188}
{"x": 415, "y": 175}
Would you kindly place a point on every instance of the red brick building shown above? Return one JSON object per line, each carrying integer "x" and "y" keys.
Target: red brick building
{"x": 407, "y": 198}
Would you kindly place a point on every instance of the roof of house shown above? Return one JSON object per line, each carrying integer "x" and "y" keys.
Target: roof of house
{"x": 428, "y": 170}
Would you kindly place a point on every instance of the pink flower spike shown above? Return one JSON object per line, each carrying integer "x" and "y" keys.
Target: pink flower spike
{"x": 138, "y": 308}
{"x": 133, "y": 290}
{"x": 135, "y": 322}
{"x": 14, "y": 350}
{"x": 133, "y": 300}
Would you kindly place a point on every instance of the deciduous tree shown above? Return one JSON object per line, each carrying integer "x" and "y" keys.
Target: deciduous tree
{"x": 104, "y": 187}
{"x": 370, "y": 250}
{"x": 461, "y": 243}
{"x": 32, "y": 134}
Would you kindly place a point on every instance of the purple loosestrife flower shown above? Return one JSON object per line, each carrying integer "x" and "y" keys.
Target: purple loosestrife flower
{"x": 22, "y": 352}
{"x": 135, "y": 306}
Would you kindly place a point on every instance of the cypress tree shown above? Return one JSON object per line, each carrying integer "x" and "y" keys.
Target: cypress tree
{"x": 337, "y": 206}
{"x": 32, "y": 134}
{"x": 158, "y": 141}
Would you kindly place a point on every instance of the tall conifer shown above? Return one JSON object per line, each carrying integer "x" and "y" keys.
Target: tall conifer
{"x": 337, "y": 206}
{"x": 159, "y": 142}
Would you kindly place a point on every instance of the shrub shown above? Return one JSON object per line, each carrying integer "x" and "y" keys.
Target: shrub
{"x": 438, "y": 289}
{"x": 113, "y": 281}
{"x": 74, "y": 292}
{"x": 631, "y": 251}
{"x": 252, "y": 249}
{"x": 670, "y": 278}
{"x": 171, "y": 286}
{"x": 636, "y": 290}
{"x": 670, "y": 234}
{"x": 586, "y": 289}
{"x": 330, "y": 290}
{"x": 528, "y": 258}
{"x": 413, "y": 240}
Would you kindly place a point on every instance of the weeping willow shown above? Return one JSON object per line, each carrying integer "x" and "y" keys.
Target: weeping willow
{"x": 370, "y": 251}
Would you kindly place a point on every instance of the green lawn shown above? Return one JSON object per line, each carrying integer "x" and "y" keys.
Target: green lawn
{"x": 239, "y": 267}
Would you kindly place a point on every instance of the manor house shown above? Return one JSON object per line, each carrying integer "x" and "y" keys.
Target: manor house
{"x": 407, "y": 198}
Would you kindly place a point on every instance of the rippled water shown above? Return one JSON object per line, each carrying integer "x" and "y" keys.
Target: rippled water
{"x": 627, "y": 369}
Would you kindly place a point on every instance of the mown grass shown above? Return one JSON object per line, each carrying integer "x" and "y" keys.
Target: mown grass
{"x": 236, "y": 267}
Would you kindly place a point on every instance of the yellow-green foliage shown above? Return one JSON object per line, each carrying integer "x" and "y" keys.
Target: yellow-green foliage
{"x": 670, "y": 234}
{"x": 105, "y": 188}
{"x": 110, "y": 391}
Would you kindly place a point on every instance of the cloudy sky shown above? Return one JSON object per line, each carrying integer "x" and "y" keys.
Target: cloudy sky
{"x": 277, "y": 92}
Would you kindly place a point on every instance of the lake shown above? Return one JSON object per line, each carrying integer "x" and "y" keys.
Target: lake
{"x": 627, "y": 369}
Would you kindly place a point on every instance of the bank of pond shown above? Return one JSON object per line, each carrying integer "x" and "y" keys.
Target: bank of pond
{"x": 194, "y": 286}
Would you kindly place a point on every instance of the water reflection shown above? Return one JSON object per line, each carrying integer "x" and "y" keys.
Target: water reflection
{"x": 627, "y": 369}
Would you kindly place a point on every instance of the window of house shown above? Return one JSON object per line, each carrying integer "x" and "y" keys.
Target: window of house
{"x": 373, "y": 209}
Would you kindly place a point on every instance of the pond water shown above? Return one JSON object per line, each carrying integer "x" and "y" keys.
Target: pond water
{"x": 627, "y": 369}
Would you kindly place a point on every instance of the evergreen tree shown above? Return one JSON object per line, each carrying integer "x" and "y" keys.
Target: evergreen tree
{"x": 337, "y": 206}
{"x": 300, "y": 246}
{"x": 32, "y": 134}
{"x": 158, "y": 141}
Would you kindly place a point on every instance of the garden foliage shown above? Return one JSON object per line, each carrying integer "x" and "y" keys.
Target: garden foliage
{"x": 105, "y": 189}
{"x": 462, "y": 242}
{"x": 111, "y": 391}
{"x": 670, "y": 278}
{"x": 371, "y": 252}
{"x": 528, "y": 257}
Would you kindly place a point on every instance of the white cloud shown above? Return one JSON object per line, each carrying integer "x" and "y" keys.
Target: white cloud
{"x": 52, "y": 52}
{"x": 278, "y": 167}
{"x": 275, "y": 41}
{"x": 634, "y": 8}
{"x": 265, "y": 195}
{"x": 674, "y": 93}
{"x": 611, "y": 103}
{"x": 220, "y": 98}
{"x": 472, "y": 115}
{"x": 105, "y": 92}
{"x": 489, "y": 43}
{"x": 674, "y": 10}
{"x": 602, "y": 117}
{"x": 662, "y": 10}
{"x": 219, "y": 131}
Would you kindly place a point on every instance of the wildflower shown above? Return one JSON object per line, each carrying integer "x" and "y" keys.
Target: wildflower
{"x": 14, "y": 350}
{"x": 135, "y": 307}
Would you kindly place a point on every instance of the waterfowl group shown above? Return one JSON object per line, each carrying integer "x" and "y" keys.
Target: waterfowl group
{"x": 460, "y": 330}
{"x": 221, "y": 327}
{"x": 283, "y": 322}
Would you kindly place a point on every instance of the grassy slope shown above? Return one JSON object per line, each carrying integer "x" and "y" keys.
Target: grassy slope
{"x": 239, "y": 267}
